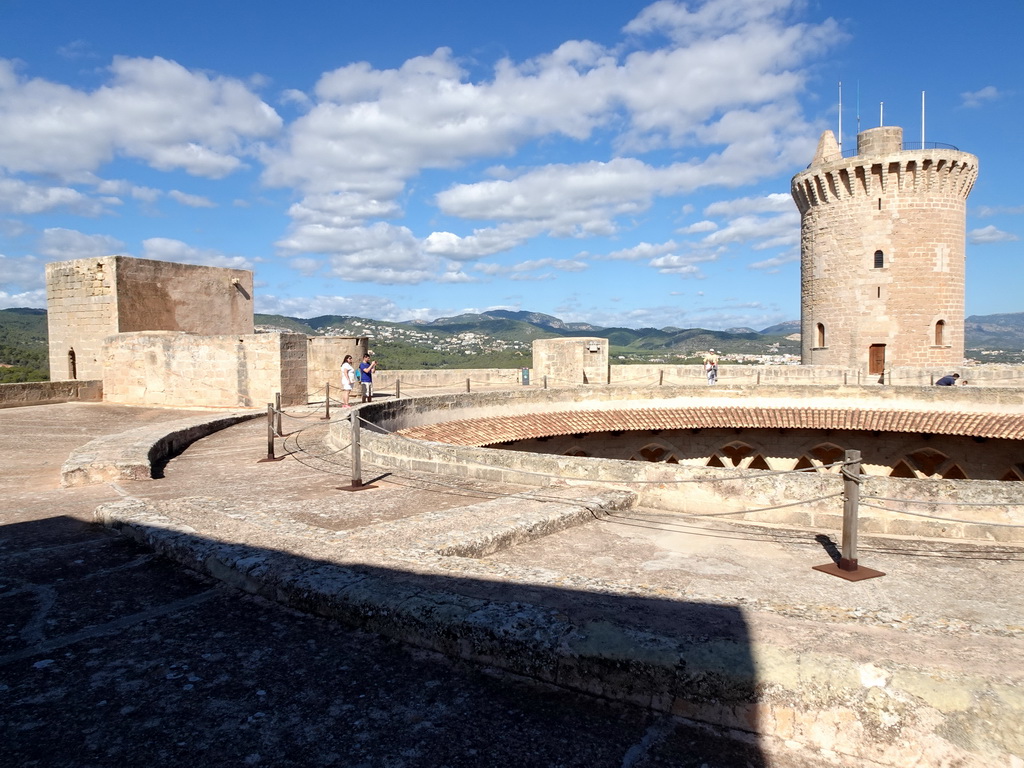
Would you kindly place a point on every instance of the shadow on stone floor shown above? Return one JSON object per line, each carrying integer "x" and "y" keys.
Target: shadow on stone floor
{"x": 114, "y": 656}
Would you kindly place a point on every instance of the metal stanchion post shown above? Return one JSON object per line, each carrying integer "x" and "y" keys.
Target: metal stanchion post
{"x": 357, "y": 457}
{"x": 847, "y": 567}
{"x": 357, "y": 467}
{"x": 467, "y": 385}
{"x": 277, "y": 407}
{"x": 851, "y": 502}
{"x": 270, "y": 436}
{"x": 398, "y": 388}
{"x": 661, "y": 376}
{"x": 327, "y": 413}
{"x": 545, "y": 382}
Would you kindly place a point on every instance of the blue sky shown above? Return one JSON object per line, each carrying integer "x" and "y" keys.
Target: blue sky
{"x": 621, "y": 163}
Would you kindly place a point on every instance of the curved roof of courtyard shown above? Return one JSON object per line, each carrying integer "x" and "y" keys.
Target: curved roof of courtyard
{"x": 525, "y": 426}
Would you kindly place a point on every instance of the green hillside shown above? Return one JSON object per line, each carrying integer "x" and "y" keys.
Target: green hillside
{"x": 23, "y": 345}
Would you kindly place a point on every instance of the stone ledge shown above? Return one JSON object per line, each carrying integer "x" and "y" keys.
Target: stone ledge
{"x": 907, "y": 702}
{"x": 131, "y": 455}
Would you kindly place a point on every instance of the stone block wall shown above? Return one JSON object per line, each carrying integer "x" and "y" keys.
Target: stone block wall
{"x": 165, "y": 296}
{"x": 81, "y": 312}
{"x": 571, "y": 361}
{"x": 324, "y": 357}
{"x": 90, "y": 299}
{"x": 165, "y": 368}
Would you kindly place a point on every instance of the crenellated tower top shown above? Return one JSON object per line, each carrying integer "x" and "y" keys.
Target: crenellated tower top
{"x": 882, "y": 164}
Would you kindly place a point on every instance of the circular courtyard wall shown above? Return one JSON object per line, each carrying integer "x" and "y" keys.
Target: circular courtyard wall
{"x": 446, "y": 434}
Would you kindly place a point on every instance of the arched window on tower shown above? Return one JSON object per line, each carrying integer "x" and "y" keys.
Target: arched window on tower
{"x": 879, "y": 259}
{"x": 820, "y": 335}
{"x": 940, "y": 333}
{"x": 72, "y": 365}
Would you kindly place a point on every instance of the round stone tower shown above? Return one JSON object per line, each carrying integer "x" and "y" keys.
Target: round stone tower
{"x": 882, "y": 253}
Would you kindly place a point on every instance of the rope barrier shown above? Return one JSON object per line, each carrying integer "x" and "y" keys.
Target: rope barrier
{"x": 943, "y": 519}
{"x": 949, "y": 503}
{"x": 307, "y": 416}
{"x": 766, "y": 509}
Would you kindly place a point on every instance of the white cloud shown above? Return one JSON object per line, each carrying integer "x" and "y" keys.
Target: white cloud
{"x": 21, "y": 197}
{"x": 990, "y": 234}
{"x": 356, "y": 305}
{"x": 168, "y": 249}
{"x": 192, "y": 201}
{"x": 60, "y": 244}
{"x": 26, "y": 273}
{"x": 726, "y": 81}
{"x": 972, "y": 99}
{"x": 30, "y": 299}
{"x": 341, "y": 210}
{"x": 762, "y": 231}
{"x": 773, "y": 203}
{"x": 521, "y": 269}
{"x": 985, "y": 211}
{"x": 123, "y": 188}
{"x": 682, "y": 265}
{"x": 153, "y": 109}
{"x": 698, "y": 227}
{"x": 644, "y": 251}
{"x": 772, "y": 264}
{"x": 483, "y": 242}
{"x": 304, "y": 266}
{"x": 381, "y": 253}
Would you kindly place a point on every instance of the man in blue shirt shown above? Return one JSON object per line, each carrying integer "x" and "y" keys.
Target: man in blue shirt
{"x": 366, "y": 369}
{"x": 945, "y": 381}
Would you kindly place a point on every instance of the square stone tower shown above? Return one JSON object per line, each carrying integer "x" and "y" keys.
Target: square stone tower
{"x": 582, "y": 360}
{"x": 882, "y": 253}
{"x": 90, "y": 299}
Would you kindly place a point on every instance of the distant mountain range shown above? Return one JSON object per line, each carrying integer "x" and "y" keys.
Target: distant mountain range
{"x": 521, "y": 328}
{"x": 501, "y": 338}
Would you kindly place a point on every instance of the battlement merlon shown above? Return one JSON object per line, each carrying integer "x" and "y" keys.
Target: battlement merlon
{"x": 882, "y": 166}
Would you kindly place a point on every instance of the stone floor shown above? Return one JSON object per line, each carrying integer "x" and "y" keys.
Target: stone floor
{"x": 99, "y": 626}
{"x": 111, "y": 656}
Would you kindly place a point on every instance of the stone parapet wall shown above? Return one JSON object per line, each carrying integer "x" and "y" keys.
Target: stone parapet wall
{"x": 710, "y": 490}
{"x": 413, "y": 381}
{"x": 163, "y": 368}
{"x": 45, "y": 392}
{"x": 421, "y": 382}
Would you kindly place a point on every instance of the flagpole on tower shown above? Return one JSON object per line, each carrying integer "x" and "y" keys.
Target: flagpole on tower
{"x": 922, "y": 119}
{"x": 840, "y": 116}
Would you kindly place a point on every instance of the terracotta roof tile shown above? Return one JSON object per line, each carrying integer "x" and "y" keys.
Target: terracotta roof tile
{"x": 499, "y": 429}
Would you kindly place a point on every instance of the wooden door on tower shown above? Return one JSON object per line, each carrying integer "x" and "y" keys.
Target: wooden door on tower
{"x": 876, "y": 358}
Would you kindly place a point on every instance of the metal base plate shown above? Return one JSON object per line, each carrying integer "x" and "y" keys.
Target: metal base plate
{"x": 859, "y": 573}
{"x": 356, "y": 487}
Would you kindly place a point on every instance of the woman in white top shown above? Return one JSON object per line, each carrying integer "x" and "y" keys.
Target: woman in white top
{"x": 348, "y": 378}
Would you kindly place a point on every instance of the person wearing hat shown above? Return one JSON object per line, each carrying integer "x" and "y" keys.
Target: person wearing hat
{"x": 711, "y": 366}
